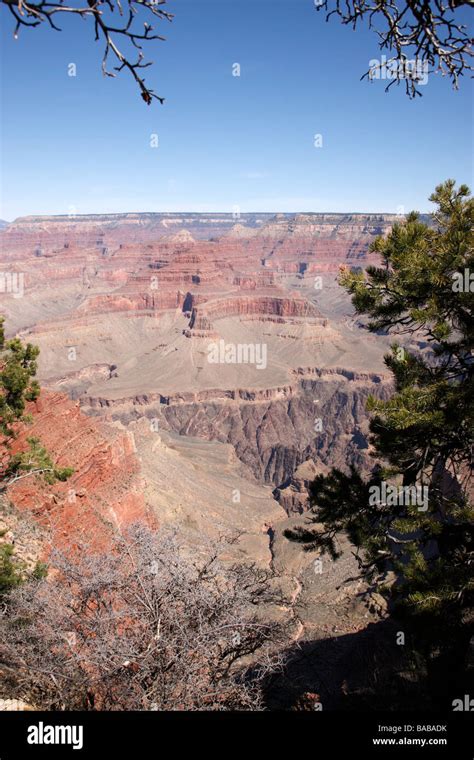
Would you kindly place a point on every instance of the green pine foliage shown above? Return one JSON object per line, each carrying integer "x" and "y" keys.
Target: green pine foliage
{"x": 423, "y": 435}
{"x": 36, "y": 459}
{"x": 10, "y": 572}
{"x": 18, "y": 366}
{"x": 17, "y": 369}
{"x": 14, "y": 571}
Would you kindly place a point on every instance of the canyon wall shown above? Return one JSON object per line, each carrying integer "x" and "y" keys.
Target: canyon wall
{"x": 274, "y": 430}
{"x": 105, "y": 491}
{"x": 123, "y": 308}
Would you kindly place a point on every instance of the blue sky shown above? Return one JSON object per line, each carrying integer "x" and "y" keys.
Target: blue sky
{"x": 83, "y": 143}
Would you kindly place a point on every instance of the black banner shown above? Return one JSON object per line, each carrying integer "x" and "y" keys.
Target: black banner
{"x": 116, "y": 735}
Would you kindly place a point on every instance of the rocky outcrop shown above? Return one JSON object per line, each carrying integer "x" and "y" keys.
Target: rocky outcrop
{"x": 293, "y": 494}
{"x": 274, "y": 438}
{"x": 104, "y": 493}
{"x": 203, "y": 317}
{"x": 140, "y": 302}
{"x": 274, "y": 430}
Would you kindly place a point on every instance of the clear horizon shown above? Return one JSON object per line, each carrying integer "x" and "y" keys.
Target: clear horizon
{"x": 211, "y": 213}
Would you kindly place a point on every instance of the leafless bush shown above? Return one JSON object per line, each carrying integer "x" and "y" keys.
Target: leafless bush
{"x": 141, "y": 628}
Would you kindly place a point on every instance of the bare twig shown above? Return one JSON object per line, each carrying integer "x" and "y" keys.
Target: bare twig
{"x": 429, "y": 31}
{"x": 32, "y": 14}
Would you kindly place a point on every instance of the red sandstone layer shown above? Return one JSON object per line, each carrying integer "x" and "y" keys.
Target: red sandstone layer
{"x": 105, "y": 491}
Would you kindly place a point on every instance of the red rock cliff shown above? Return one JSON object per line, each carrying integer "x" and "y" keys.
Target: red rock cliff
{"x": 104, "y": 493}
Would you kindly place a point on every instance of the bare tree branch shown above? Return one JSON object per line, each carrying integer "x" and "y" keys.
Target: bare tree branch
{"x": 427, "y": 32}
{"x": 147, "y": 626}
{"x": 100, "y": 12}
